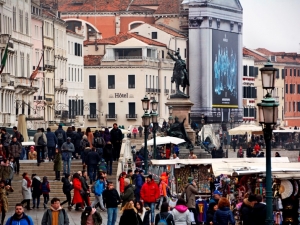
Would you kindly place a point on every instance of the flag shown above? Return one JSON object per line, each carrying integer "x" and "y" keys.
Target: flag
{"x": 4, "y": 58}
{"x": 35, "y": 72}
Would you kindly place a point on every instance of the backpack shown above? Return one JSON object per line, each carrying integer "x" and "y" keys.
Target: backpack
{"x": 65, "y": 155}
{"x": 102, "y": 166}
{"x": 163, "y": 221}
{"x": 24, "y": 216}
{"x": 41, "y": 141}
{"x": 7, "y": 139}
{"x": 83, "y": 144}
{"x": 99, "y": 151}
{"x": 21, "y": 139}
{"x": 60, "y": 137}
{"x": 99, "y": 141}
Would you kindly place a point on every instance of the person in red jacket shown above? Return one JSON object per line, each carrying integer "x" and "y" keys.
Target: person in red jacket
{"x": 77, "y": 198}
{"x": 121, "y": 180}
{"x": 149, "y": 194}
{"x": 256, "y": 148}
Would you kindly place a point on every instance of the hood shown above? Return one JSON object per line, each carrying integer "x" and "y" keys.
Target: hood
{"x": 60, "y": 208}
{"x": 181, "y": 208}
{"x": 37, "y": 177}
{"x": 247, "y": 203}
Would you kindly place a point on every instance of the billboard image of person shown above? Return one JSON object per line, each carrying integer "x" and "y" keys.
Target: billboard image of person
{"x": 224, "y": 69}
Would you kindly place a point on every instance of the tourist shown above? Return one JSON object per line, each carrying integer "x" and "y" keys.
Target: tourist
{"x": 249, "y": 151}
{"x": 129, "y": 213}
{"x": 108, "y": 156}
{"x": 212, "y": 208}
{"x": 40, "y": 140}
{"x": 216, "y": 196}
{"x": 67, "y": 188}
{"x": 32, "y": 155}
{"x": 121, "y": 181}
{"x": 181, "y": 213}
{"x": 85, "y": 193}
{"x": 140, "y": 128}
{"x": 89, "y": 135}
{"x": 77, "y": 198}
{"x": 259, "y": 211}
{"x": 277, "y": 154}
{"x": 36, "y": 190}
{"x": 26, "y": 190}
{"x": 111, "y": 200}
{"x": 190, "y": 191}
{"x": 116, "y": 140}
{"x": 4, "y": 189}
{"x": 128, "y": 194}
{"x": 15, "y": 150}
{"x": 45, "y": 186}
{"x": 51, "y": 143}
{"x": 91, "y": 160}
{"x": 57, "y": 160}
{"x": 99, "y": 187}
{"x": 61, "y": 136}
{"x": 56, "y": 214}
{"x": 67, "y": 148}
{"x": 140, "y": 209}
{"x": 247, "y": 208}
{"x": 192, "y": 155}
{"x": 164, "y": 215}
{"x": 19, "y": 218}
{"x": 134, "y": 131}
{"x": 5, "y": 140}
{"x": 138, "y": 184}
{"x": 77, "y": 139}
{"x": 90, "y": 216}
{"x": 223, "y": 215}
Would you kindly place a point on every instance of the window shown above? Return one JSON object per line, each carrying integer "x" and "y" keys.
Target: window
{"x": 282, "y": 73}
{"x": 298, "y": 73}
{"x": 291, "y": 72}
{"x": 131, "y": 110}
{"x": 295, "y": 72}
{"x": 28, "y": 65}
{"x": 131, "y": 81}
{"x": 111, "y": 81}
{"x": 26, "y": 24}
{"x": 154, "y": 35}
{"x": 21, "y": 20}
{"x": 93, "y": 110}
{"x": 246, "y": 112}
{"x": 277, "y": 74}
{"x": 298, "y": 106}
{"x": 245, "y": 71}
{"x": 286, "y": 88}
{"x": 14, "y": 18}
{"x": 185, "y": 53}
{"x": 251, "y": 71}
{"x": 298, "y": 88}
{"x": 92, "y": 81}
{"x": 22, "y": 61}
{"x": 111, "y": 110}
{"x": 291, "y": 89}
{"x": 162, "y": 54}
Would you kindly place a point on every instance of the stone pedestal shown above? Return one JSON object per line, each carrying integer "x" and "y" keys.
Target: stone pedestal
{"x": 181, "y": 109}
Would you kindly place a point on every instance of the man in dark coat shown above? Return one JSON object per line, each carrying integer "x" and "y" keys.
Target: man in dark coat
{"x": 61, "y": 136}
{"x": 128, "y": 192}
{"x": 247, "y": 208}
{"x": 116, "y": 140}
{"x": 259, "y": 212}
{"x": 77, "y": 138}
{"x": 51, "y": 143}
{"x": 15, "y": 150}
{"x": 91, "y": 160}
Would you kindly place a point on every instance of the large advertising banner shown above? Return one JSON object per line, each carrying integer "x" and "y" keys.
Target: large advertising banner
{"x": 224, "y": 69}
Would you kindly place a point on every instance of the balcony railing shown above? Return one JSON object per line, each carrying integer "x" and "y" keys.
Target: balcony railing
{"x": 131, "y": 116}
{"x": 129, "y": 57}
{"x": 111, "y": 116}
{"x": 157, "y": 90}
{"x": 173, "y": 91}
{"x": 150, "y": 90}
{"x": 166, "y": 91}
{"x": 92, "y": 117}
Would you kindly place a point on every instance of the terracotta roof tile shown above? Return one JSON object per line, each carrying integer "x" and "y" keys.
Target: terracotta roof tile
{"x": 92, "y": 60}
{"x": 168, "y": 7}
{"x": 123, "y": 37}
{"x": 257, "y": 57}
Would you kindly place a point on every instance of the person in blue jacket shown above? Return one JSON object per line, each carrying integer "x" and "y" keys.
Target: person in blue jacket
{"x": 138, "y": 185}
{"x": 51, "y": 143}
{"x": 223, "y": 216}
{"x": 19, "y": 218}
{"x": 99, "y": 187}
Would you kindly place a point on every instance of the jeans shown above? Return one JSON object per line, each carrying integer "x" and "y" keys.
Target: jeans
{"x": 116, "y": 150}
{"x": 17, "y": 160}
{"x": 67, "y": 163}
{"x": 112, "y": 214}
{"x": 46, "y": 198}
{"x": 51, "y": 152}
{"x": 96, "y": 200}
{"x": 68, "y": 196}
{"x": 39, "y": 150}
{"x": 109, "y": 165}
{"x": 152, "y": 207}
{"x": 92, "y": 168}
{"x": 37, "y": 198}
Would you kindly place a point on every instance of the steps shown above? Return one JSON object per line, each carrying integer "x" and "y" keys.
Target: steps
{"x": 46, "y": 169}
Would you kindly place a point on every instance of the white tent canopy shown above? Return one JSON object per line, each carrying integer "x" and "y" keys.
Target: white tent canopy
{"x": 165, "y": 140}
{"x": 244, "y": 128}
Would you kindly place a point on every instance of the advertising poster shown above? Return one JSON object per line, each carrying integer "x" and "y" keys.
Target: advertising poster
{"x": 224, "y": 69}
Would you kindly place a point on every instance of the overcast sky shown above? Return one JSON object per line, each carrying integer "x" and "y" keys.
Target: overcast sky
{"x": 272, "y": 24}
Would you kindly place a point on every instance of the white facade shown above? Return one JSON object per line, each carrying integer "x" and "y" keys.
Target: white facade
{"x": 113, "y": 89}
{"x": 74, "y": 79}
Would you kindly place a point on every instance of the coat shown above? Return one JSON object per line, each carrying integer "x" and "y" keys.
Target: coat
{"x": 68, "y": 147}
{"x": 92, "y": 158}
{"x": 111, "y": 198}
{"x": 77, "y": 139}
{"x": 259, "y": 214}
{"x": 166, "y": 215}
{"x": 116, "y": 135}
{"x": 63, "y": 218}
{"x": 36, "y": 187}
{"x": 64, "y": 136}
{"x": 26, "y": 191}
{"x": 97, "y": 219}
{"x": 77, "y": 198}
{"x": 14, "y": 220}
{"x": 181, "y": 215}
{"x": 130, "y": 216}
{"x": 191, "y": 191}
{"x": 51, "y": 139}
{"x": 4, "y": 198}
{"x": 150, "y": 192}
{"x": 122, "y": 185}
{"x": 15, "y": 149}
{"x": 128, "y": 194}
{"x": 163, "y": 184}
{"x": 223, "y": 216}
{"x": 57, "y": 162}
{"x": 90, "y": 138}
{"x": 246, "y": 210}
{"x": 36, "y": 138}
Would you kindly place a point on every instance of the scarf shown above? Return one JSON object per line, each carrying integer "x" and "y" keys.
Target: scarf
{"x": 28, "y": 181}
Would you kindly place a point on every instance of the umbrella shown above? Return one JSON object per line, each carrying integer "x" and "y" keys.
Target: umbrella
{"x": 22, "y": 126}
{"x": 245, "y": 128}
{"x": 166, "y": 140}
{"x": 123, "y": 131}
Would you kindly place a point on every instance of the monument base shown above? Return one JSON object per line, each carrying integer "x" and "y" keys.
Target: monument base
{"x": 181, "y": 109}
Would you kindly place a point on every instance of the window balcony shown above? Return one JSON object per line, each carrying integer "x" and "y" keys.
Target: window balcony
{"x": 131, "y": 116}
{"x": 166, "y": 91}
{"x": 92, "y": 117}
{"x": 111, "y": 116}
{"x": 173, "y": 91}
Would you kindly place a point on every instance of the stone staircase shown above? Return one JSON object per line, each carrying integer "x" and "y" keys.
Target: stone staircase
{"x": 46, "y": 169}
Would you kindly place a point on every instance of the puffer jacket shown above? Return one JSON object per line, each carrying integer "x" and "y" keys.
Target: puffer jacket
{"x": 149, "y": 192}
{"x": 15, "y": 149}
{"x": 223, "y": 216}
{"x": 181, "y": 215}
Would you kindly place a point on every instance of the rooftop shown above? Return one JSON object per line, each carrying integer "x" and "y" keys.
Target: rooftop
{"x": 121, "y": 37}
{"x": 92, "y": 60}
{"x": 168, "y": 30}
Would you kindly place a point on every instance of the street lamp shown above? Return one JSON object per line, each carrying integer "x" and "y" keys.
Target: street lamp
{"x": 146, "y": 123}
{"x": 231, "y": 120}
{"x": 202, "y": 130}
{"x": 154, "y": 116}
{"x": 268, "y": 114}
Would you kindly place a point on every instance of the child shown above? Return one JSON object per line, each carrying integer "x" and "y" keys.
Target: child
{"x": 99, "y": 187}
{"x": 57, "y": 164}
{"x": 45, "y": 187}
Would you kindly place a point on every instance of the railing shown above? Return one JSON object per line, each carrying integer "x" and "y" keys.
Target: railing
{"x": 92, "y": 117}
{"x": 166, "y": 91}
{"x": 111, "y": 116}
{"x": 129, "y": 57}
{"x": 6, "y": 119}
{"x": 150, "y": 90}
{"x": 131, "y": 116}
{"x": 25, "y": 82}
{"x": 173, "y": 91}
{"x": 157, "y": 90}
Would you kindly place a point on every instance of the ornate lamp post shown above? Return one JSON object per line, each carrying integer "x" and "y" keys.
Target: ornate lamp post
{"x": 146, "y": 123}
{"x": 170, "y": 115}
{"x": 154, "y": 117}
{"x": 268, "y": 114}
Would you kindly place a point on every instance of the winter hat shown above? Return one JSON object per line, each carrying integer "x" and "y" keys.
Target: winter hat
{"x": 68, "y": 138}
{"x": 251, "y": 198}
{"x": 87, "y": 210}
{"x": 150, "y": 176}
{"x": 216, "y": 192}
{"x": 190, "y": 180}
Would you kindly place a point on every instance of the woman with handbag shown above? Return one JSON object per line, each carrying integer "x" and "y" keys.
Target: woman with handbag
{"x": 130, "y": 215}
{"x": 223, "y": 216}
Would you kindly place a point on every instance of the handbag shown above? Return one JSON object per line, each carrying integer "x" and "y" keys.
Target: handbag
{"x": 82, "y": 193}
{"x": 41, "y": 141}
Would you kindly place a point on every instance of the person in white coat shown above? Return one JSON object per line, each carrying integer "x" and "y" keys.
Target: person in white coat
{"x": 140, "y": 209}
{"x": 181, "y": 213}
{"x": 26, "y": 190}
